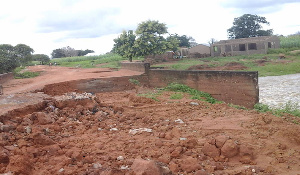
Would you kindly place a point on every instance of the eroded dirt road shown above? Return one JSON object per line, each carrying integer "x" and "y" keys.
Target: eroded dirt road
{"x": 123, "y": 133}
{"x": 53, "y": 74}
{"x": 20, "y": 92}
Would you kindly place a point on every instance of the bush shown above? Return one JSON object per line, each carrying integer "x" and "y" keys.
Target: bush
{"x": 134, "y": 81}
{"x": 291, "y": 41}
{"x": 19, "y": 75}
{"x": 288, "y": 108}
{"x": 199, "y": 95}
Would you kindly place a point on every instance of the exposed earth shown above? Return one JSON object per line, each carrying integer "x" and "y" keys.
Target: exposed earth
{"x": 124, "y": 133}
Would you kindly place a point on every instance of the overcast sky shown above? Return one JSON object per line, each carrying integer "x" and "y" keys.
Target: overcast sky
{"x": 46, "y": 25}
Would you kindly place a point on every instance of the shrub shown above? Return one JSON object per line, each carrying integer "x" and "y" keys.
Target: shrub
{"x": 134, "y": 81}
{"x": 199, "y": 95}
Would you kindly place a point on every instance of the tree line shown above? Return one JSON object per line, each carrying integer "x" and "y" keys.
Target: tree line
{"x": 14, "y": 56}
{"x": 22, "y": 54}
{"x": 69, "y": 52}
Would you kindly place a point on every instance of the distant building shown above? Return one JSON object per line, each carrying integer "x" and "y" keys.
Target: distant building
{"x": 199, "y": 51}
{"x": 244, "y": 46}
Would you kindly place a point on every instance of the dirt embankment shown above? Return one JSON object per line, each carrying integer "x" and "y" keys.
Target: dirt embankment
{"x": 121, "y": 133}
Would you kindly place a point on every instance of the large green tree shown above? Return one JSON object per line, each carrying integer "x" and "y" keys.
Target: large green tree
{"x": 69, "y": 52}
{"x": 173, "y": 43}
{"x": 247, "y": 26}
{"x": 124, "y": 45}
{"x": 148, "y": 39}
{"x": 14, "y": 56}
{"x": 185, "y": 41}
{"x": 23, "y": 53}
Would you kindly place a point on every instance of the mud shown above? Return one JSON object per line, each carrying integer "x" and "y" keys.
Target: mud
{"x": 122, "y": 133}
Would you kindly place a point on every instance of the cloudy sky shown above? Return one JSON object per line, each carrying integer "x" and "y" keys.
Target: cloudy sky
{"x": 46, "y": 25}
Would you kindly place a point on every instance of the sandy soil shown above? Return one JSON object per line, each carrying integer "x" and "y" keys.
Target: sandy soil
{"x": 123, "y": 133}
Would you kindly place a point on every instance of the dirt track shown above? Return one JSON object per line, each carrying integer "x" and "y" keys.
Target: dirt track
{"x": 53, "y": 74}
{"x": 113, "y": 133}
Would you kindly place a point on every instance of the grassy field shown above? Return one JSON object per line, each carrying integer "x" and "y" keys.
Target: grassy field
{"x": 266, "y": 65}
{"x": 106, "y": 60}
{"x": 109, "y": 60}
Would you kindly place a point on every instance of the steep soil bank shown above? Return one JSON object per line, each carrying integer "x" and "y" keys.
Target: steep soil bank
{"x": 113, "y": 133}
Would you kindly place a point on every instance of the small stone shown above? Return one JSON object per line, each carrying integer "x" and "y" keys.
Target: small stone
{"x": 220, "y": 140}
{"x": 211, "y": 150}
{"x": 179, "y": 121}
{"x": 28, "y": 129}
{"x": 194, "y": 103}
{"x": 6, "y": 128}
{"x": 120, "y": 158}
{"x": 229, "y": 149}
{"x": 61, "y": 170}
{"x": 113, "y": 129}
{"x": 123, "y": 167}
{"x": 42, "y": 139}
{"x": 97, "y": 165}
{"x": 190, "y": 164}
{"x": 145, "y": 167}
{"x": 182, "y": 138}
{"x": 177, "y": 152}
{"x": 162, "y": 135}
{"x": 4, "y": 156}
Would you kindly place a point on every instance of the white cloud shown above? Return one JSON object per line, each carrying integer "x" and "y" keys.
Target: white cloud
{"x": 93, "y": 24}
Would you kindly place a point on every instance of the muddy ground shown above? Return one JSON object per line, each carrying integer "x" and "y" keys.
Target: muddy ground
{"x": 124, "y": 133}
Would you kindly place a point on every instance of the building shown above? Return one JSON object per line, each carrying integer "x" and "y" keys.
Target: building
{"x": 199, "y": 51}
{"x": 244, "y": 46}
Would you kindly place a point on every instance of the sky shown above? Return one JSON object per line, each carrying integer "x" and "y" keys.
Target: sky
{"x": 46, "y": 25}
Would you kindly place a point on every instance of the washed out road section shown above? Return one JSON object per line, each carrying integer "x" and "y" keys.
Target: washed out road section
{"x": 277, "y": 91}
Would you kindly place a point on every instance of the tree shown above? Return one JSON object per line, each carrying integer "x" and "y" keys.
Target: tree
{"x": 124, "y": 45}
{"x": 57, "y": 53}
{"x": 147, "y": 40}
{"x": 185, "y": 41}
{"x": 150, "y": 40}
{"x": 41, "y": 57}
{"x": 14, "y": 56}
{"x": 173, "y": 43}
{"x": 23, "y": 53}
{"x": 69, "y": 52}
{"x": 248, "y": 26}
{"x": 84, "y": 52}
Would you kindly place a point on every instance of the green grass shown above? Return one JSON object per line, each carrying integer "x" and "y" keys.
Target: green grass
{"x": 134, "y": 81}
{"x": 273, "y": 66}
{"x": 199, "y": 95}
{"x": 288, "y": 108}
{"x": 109, "y": 60}
{"x": 176, "y": 96}
{"x": 26, "y": 74}
{"x": 277, "y": 69}
{"x": 152, "y": 95}
{"x": 291, "y": 41}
